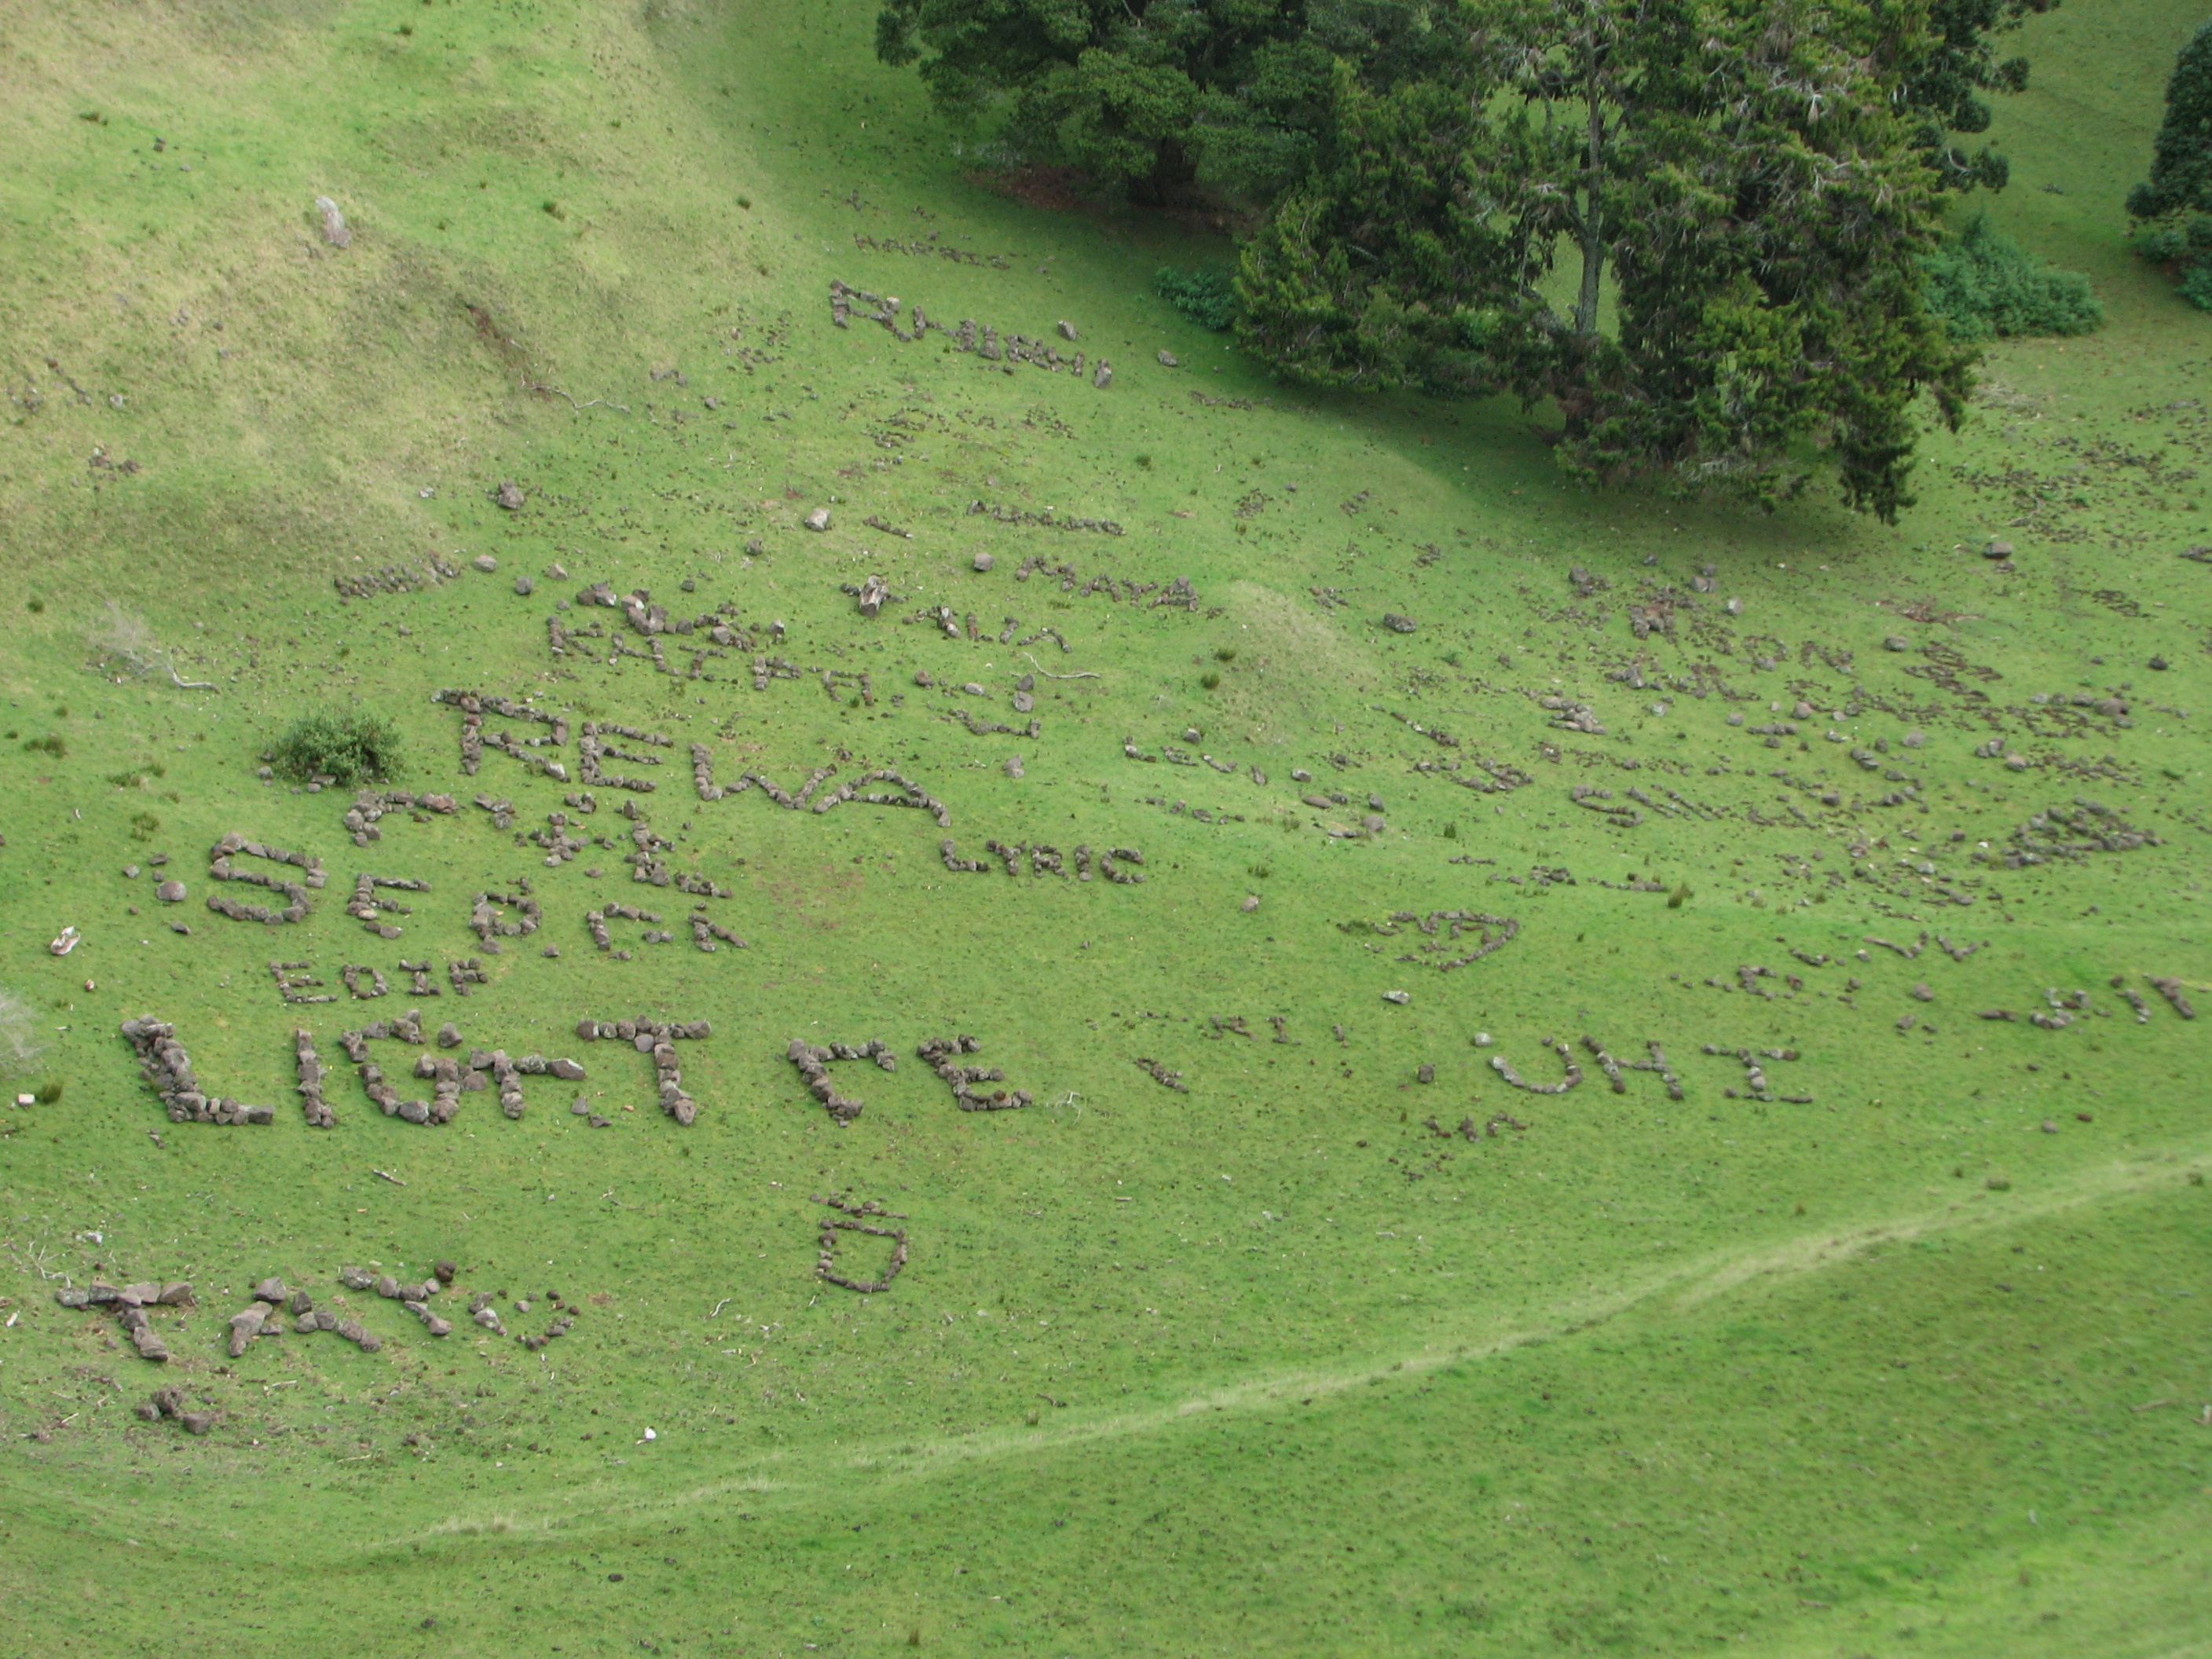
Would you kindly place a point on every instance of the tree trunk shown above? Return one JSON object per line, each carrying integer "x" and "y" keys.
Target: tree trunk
{"x": 1593, "y": 226}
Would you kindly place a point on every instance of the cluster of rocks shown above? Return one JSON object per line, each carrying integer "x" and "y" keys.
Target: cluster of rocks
{"x": 2073, "y": 832}
{"x": 396, "y": 578}
{"x": 447, "y": 1091}
{"x": 1050, "y": 519}
{"x": 1504, "y": 1067}
{"x": 473, "y": 706}
{"x": 857, "y": 1218}
{"x": 296, "y": 892}
{"x": 706, "y": 932}
{"x": 658, "y": 1038}
{"x": 1489, "y": 777}
{"x": 649, "y": 618}
{"x": 313, "y": 1106}
{"x": 169, "y": 1403}
{"x": 419, "y": 972}
{"x": 468, "y": 971}
{"x": 1447, "y": 926}
{"x": 969, "y": 336}
{"x": 560, "y": 847}
{"x": 367, "y": 909}
{"x": 1045, "y": 860}
{"x": 487, "y": 924}
{"x": 1593, "y": 798}
{"x": 1161, "y": 1075}
{"x": 1615, "y": 1070}
{"x": 1571, "y": 714}
{"x": 508, "y": 1073}
{"x": 868, "y": 244}
{"x": 1755, "y": 1075}
{"x": 813, "y": 1063}
{"x": 590, "y": 750}
{"x": 2171, "y": 990}
{"x": 296, "y": 983}
{"x": 501, "y": 811}
{"x": 941, "y": 1056}
{"x": 558, "y": 1327}
{"x": 371, "y": 804}
{"x": 416, "y": 1298}
{"x": 909, "y": 793}
{"x": 766, "y": 668}
{"x": 129, "y": 1303}
{"x": 871, "y": 595}
{"x": 168, "y": 1068}
{"x": 272, "y": 1301}
{"x": 2063, "y": 1006}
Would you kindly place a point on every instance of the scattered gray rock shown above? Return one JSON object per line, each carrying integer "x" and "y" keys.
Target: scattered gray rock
{"x": 984, "y": 561}
{"x": 523, "y": 584}
{"x": 485, "y": 562}
{"x": 335, "y": 229}
{"x": 1169, "y": 360}
{"x": 1251, "y": 902}
{"x": 171, "y": 891}
{"x": 510, "y": 495}
{"x": 1997, "y": 550}
{"x": 1066, "y": 329}
{"x": 1398, "y": 997}
{"x": 1398, "y": 624}
{"x": 1897, "y": 643}
{"x": 819, "y": 518}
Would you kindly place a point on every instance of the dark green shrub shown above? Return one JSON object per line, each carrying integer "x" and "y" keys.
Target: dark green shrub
{"x": 144, "y": 826}
{"x": 1209, "y": 680}
{"x": 50, "y": 744}
{"x": 348, "y": 746}
{"x": 1204, "y": 296}
{"x": 1984, "y": 287}
{"x": 47, "y": 1093}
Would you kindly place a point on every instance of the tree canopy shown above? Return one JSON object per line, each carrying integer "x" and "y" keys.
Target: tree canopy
{"x": 2181, "y": 155}
{"x": 1690, "y": 230}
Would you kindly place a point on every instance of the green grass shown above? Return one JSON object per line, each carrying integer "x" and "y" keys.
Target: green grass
{"x": 1252, "y": 1366}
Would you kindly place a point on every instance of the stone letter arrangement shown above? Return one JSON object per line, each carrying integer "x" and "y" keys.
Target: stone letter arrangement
{"x": 168, "y": 1068}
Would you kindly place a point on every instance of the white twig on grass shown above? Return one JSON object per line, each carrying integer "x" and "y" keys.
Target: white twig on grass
{"x": 126, "y": 638}
{"x": 1085, "y": 675}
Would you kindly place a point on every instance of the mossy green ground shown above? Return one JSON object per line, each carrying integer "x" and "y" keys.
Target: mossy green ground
{"x": 1252, "y": 1367}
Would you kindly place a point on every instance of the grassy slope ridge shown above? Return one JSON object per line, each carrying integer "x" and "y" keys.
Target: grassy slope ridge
{"x": 1891, "y": 1371}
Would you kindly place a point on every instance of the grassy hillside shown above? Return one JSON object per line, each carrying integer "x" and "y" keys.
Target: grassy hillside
{"x": 1907, "y": 1356}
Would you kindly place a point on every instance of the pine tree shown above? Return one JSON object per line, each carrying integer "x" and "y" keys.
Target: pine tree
{"x": 2181, "y": 155}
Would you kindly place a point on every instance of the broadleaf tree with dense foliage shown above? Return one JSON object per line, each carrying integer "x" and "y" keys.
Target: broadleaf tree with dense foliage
{"x": 1691, "y": 229}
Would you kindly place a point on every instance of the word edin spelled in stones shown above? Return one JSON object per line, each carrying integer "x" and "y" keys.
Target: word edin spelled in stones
{"x": 168, "y": 1068}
